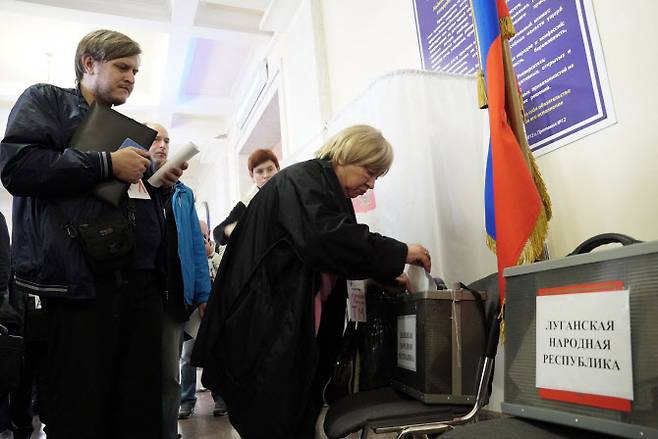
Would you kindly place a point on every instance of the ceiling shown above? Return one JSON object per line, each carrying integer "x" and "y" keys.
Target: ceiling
{"x": 195, "y": 53}
{"x": 195, "y": 57}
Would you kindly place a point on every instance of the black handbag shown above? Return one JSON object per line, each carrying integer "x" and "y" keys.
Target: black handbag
{"x": 341, "y": 382}
{"x": 376, "y": 342}
{"x": 107, "y": 242}
{"x": 12, "y": 349}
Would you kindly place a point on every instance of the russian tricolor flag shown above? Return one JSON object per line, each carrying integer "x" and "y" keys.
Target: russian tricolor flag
{"x": 512, "y": 201}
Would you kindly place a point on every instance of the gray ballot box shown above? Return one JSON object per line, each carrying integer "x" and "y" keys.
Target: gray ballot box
{"x": 440, "y": 343}
{"x": 601, "y": 359}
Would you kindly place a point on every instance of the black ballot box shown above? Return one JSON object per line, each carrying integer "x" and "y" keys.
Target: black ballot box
{"x": 440, "y": 343}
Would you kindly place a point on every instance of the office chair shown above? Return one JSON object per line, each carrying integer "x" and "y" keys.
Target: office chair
{"x": 386, "y": 410}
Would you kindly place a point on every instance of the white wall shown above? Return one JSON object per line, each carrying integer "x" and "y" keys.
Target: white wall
{"x": 5, "y": 197}
{"x": 299, "y": 56}
{"x": 602, "y": 183}
{"x": 212, "y": 189}
{"x": 364, "y": 40}
{"x": 606, "y": 182}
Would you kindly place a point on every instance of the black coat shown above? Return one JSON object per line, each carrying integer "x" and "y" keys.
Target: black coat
{"x": 40, "y": 172}
{"x": 257, "y": 343}
{"x": 51, "y": 185}
{"x": 218, "y": 232}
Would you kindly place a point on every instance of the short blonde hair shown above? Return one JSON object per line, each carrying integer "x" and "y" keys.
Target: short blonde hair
{"x": 360, "y": 145}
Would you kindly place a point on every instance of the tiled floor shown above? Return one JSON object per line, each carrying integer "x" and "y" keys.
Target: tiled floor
{"x": 203, "y": 425}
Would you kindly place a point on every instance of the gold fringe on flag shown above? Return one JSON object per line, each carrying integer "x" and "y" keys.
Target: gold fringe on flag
{"x": 479, "y": 76}
{"x": 482, "y": 90}
{"x": 507, "y": 27}
{"x": 534, "y": 248}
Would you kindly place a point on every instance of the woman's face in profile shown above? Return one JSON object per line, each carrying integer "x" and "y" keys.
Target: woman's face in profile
{"x": 355, "y": 180}
{"x": 263, "y": 172}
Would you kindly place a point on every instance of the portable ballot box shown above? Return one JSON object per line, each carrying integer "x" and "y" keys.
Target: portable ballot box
{"x": 582, "y": 341}
{"x": 440, "y": 340}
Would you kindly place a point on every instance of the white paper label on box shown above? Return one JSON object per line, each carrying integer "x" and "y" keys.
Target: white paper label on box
{"x": 356, "y": 300}
{"x": 407, "y": 342}
{"x": 584, "y": 343}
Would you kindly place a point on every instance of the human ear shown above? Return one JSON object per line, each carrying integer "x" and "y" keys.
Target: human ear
{"x": 88, "y": 64}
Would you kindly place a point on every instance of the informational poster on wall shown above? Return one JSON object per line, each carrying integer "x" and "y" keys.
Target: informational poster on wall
{"x": 583, "y": 350}
{"x": 556, "y": 55}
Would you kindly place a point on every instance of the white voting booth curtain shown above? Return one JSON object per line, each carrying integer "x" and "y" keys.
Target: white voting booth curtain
{"x": 433, "y": 193}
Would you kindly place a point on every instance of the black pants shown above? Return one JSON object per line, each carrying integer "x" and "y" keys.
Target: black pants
{"x": 33, "y": 376}
{"x": 105, "y": 362}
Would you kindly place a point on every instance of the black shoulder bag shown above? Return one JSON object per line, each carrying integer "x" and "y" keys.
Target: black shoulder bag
{"x": 107, "y": 241}
{"x": 341, "y": 382}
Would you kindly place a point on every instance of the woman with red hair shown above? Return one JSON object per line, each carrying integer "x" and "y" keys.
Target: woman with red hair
{"x": 263, "y": 165}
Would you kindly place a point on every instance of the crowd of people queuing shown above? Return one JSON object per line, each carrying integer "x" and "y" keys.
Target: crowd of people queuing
{"x": 262, "y": 311}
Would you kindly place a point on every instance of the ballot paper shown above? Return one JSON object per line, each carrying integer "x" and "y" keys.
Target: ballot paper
{"x": 419, "y": 279}
{"x": 185, "y": 153}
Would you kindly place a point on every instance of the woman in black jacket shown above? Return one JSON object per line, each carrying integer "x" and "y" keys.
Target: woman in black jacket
{"x": 262, "y": 345}
{"x": 262, "y": 165}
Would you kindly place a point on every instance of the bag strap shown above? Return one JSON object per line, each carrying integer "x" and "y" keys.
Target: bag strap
{"x": 603, "y": 239}
{"x": 70, "y": 226}
{"x": 479, "y": 303}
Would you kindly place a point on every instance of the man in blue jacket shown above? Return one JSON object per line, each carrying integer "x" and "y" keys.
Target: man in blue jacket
{"x": 104, "y": 329}
{"x": 188, "y": 280}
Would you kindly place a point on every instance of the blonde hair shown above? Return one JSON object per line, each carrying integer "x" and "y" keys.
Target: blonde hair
{"x": 360, "y": 145}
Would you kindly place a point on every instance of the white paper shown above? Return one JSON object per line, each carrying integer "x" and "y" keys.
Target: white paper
{"x": 138, "y": 191}
{"x": 193, "y": 323}
{"x": 584, "y": 343}
{"x": 251, "y": 193}
{"x": 356, "y": 296}
{"x": 185, "y": 153}
{"x": 419, "y": 279}
{"x": 407, "y": 342}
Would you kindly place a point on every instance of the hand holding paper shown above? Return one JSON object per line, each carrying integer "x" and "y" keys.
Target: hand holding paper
{"x": 419, "y": 255}
{"x": 129, "y": 164}
{"x": 178, "y": 161}
{"x": 106, "y": 130}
